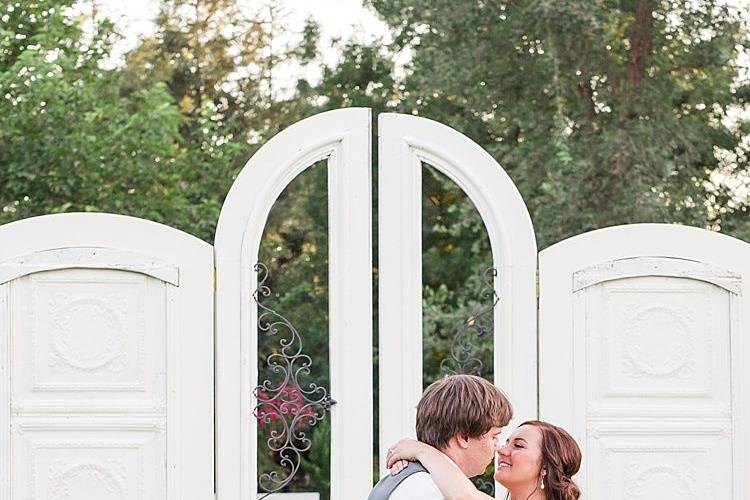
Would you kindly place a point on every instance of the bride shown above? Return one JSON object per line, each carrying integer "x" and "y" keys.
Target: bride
{"x": 537, "y": 462}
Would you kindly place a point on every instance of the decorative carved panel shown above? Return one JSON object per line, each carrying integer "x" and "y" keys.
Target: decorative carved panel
{"x": 84, "y": 337}
{"x": 87, "y": 333}
{"x": 67, "y": 462}
{"x": 658, "y": 462}
{"x": 658, "y": 341}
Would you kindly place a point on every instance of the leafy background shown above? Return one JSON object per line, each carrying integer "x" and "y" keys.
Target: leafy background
{"x": 602, "y": 112}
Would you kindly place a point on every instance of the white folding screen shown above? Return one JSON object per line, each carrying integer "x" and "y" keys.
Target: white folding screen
{"x": 107, "y": 347}
{"x": 642, "y": 341}
{"x": 341, "y": 137}
{"x": 106, "y": 390}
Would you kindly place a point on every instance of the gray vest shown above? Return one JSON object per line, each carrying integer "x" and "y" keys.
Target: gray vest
{"x": 384, "y": 488}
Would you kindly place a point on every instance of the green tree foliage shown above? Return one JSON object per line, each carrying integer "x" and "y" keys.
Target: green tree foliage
{"x": 219, "y": 59}
{"x": 363, "y": 77}
{"x": 455, "y": 256}
{"x": 198, "y": 51}
{"x": 68, "y": 141}
{"x": 602, "y": 112}
{"x": 317, "y": 464}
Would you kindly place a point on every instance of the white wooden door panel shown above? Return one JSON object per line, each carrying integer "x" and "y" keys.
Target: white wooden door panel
{"x": 639, "y": 346}
{"x": 77, "y": 460}
{"x": 658, "y": 358}
{"x": 86, "y": 342}
{"x": 405, "y": 143}
{"x": 342, "y": 138}
{"x": 105, "y": 357}
{"x": 685, "y": 461}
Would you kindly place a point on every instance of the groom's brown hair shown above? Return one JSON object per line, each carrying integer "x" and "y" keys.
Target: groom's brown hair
{"x": 464, "y": 405}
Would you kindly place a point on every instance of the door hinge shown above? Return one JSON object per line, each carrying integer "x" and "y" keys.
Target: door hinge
{"x": 537, "y": 284}
{"x": 214, "y": 280}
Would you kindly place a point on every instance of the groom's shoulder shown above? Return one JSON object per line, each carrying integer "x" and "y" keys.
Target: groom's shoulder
{"x": 418, "y": 486}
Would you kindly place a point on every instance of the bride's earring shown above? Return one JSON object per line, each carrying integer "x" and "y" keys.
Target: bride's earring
{"x": 542, "y": 478}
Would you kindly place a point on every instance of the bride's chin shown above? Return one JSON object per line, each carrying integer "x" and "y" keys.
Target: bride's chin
{"x": 501, "y": 475}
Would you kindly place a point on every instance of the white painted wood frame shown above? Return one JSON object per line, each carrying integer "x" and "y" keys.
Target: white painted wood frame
{"x": 139, "y": 416}
{"x": 405, "y": 142}
{"x": 672, "y": 263}
{"x": 343, "y": 138}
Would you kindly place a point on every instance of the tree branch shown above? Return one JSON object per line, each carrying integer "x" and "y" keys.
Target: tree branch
{"x": 641, "y": 44}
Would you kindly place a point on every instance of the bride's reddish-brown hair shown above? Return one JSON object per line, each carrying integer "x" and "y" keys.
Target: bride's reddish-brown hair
{"x": 561, "y": 459}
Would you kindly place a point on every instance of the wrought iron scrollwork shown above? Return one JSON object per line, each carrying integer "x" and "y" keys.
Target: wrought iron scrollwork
{"x": 476, "y": 325}
{"x": 463, "y": 357}
{"x": 286, "y": 404}
{"x": 485, "y": 484}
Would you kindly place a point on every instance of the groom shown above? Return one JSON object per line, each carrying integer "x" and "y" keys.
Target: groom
{"x": 460, "y": 415}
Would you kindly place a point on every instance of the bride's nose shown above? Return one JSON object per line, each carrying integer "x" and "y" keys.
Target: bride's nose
{"x": 497, "y": 444}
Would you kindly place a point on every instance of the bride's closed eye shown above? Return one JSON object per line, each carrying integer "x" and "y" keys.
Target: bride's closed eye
{"x": 518, "y": 443}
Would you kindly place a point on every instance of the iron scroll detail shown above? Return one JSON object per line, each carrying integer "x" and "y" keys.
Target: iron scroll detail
{"x": 485, "y": 485}
{"x": 462, "y": 358}
{"x": 285, "y": 402}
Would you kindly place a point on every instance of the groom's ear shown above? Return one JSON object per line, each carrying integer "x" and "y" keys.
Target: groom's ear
{"x": 463, "y": 441}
